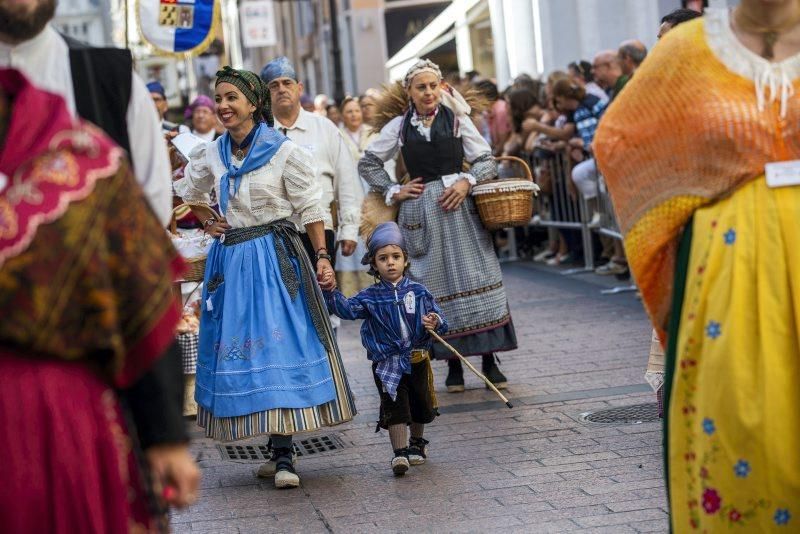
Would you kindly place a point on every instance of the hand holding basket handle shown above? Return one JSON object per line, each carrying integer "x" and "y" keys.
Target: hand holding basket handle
{"x": 196, "y": 266}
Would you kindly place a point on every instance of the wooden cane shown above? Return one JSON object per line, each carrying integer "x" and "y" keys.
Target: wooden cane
{"x": 471, "y": 368}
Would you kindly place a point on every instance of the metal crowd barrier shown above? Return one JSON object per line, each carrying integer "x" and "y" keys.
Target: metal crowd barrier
{"x": 564, "y": 207}
{"x": 609, "y": 227}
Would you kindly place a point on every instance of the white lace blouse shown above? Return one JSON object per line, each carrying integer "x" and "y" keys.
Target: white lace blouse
{"x": 773, "y": 80}
{"x": 284, "y": 188}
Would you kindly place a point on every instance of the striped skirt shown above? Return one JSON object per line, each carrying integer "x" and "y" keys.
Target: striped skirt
{"x": 293, "y": 268}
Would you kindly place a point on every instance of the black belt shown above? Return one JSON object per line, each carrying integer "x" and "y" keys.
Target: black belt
{"x": 283, "y": 247}
{"x": 234, "y": 236}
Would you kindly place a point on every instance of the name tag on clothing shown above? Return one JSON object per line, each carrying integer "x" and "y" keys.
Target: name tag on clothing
{"x": 783, "y": 173}
{"x": 410, "y": 302}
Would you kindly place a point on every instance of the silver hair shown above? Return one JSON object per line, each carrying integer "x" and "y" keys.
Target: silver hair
{"x": 423, "y": 65}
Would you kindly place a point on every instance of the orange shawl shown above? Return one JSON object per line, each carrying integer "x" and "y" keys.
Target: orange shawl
{"x": 684, "y": 132}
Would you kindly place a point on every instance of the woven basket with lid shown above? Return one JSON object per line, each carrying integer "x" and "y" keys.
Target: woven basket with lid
{"x": 506, "y": 202}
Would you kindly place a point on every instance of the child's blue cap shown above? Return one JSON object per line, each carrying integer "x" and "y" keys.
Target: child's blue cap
{"x": 387, "y": 233}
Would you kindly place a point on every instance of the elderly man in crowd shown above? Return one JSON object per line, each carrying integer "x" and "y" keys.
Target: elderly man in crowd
{"x": 608, "y": 72}
{"x": 342, "y": 192}
{"x": 97, "y": 84}
{"x": 159, "y": 96}
{"x": 612, "y": 71}
{"x": 631, "y": 54}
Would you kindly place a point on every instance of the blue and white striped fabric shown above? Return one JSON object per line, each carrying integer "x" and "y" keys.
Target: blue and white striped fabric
{"x": 176, "y": 26}
{"x": 392, "y": 326}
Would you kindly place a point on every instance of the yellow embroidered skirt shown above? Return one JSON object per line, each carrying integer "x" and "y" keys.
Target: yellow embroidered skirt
{"x": 733, "y": 431}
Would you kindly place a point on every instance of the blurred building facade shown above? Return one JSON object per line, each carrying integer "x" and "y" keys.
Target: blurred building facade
{"x": 379, "y": 39}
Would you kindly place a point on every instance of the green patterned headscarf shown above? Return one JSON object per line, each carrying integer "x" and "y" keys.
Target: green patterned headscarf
{"x": 253, "y": 88}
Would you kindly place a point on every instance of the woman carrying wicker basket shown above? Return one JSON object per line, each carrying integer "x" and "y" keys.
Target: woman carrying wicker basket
{"x": 267, "y": 358}
{"x": 429, "y": 123}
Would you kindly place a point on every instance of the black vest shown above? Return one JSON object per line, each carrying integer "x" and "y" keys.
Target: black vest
{"x": 101, "y": 81}
{"x": 443, "y": 155}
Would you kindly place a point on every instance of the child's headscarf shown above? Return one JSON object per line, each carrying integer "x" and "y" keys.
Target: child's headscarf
{"x": 253, "y": 88}
{"x": 387, "y": 233}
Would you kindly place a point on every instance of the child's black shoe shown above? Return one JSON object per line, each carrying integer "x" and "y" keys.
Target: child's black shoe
{"x": 417, "y": 451}
{"x": 400, "y": 462}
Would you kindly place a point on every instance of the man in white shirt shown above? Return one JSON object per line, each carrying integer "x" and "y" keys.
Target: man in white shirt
{"x": 29, "y": 44}
{"x": 341, "y": 187}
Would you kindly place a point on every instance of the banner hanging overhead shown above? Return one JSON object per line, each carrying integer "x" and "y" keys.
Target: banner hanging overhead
{"x": 178, "y": 27}
{"x": 258, "y": 23}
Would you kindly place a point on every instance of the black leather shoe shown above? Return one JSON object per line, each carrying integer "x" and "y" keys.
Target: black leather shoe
{"x": 492, "y": 372}
{"x": 455, "y": 377}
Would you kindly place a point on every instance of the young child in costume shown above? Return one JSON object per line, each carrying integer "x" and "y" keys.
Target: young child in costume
{"x": 397, "y": 313}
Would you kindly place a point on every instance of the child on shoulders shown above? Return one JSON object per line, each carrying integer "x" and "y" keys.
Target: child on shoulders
{"x": 397, "y": 314}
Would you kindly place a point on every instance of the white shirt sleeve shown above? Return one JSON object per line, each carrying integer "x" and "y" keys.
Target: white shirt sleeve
{"x": 474, "y": 143}
{"x": 388, "y": 141}
{"x": 198, "y": 179}
{"x": 349, "y": 191}
{"x": 302, "y": 187}
{"x": 149, "y": 150}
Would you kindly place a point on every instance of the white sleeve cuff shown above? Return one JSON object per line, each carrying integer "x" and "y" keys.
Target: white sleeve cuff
{"x": 450, "y": 179}
{"x": 390, "y": 193}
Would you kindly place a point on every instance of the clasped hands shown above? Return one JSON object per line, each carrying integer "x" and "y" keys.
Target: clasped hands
{"x": 450, "y": 199}
{"x": 325, "y": 275}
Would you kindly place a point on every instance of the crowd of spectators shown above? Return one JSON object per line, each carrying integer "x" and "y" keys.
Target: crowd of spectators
{"x": 542, "y": 121}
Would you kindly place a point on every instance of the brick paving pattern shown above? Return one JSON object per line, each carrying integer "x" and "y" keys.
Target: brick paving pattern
{"x": 535, "y": 468}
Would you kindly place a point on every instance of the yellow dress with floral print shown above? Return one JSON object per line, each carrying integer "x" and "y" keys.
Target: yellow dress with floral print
{"x": 734, "y": 420}
{"x": 685, "y": 146}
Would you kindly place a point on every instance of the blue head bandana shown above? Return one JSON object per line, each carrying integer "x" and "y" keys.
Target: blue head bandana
{"x": 156, "y": 87}
{"x": 265, "y": 144}
{"x": 387, "y": 233}
{"x": 280, "y": 67}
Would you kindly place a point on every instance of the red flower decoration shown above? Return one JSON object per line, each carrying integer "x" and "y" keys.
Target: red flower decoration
{"x": 734, "y": 515}
{"x": 703, "y": 472}
{"x": 713, "y": 224}
{"x": 711, "y": 501}
{"x": 689, "y": 456}
{"x": 693, "y": 523}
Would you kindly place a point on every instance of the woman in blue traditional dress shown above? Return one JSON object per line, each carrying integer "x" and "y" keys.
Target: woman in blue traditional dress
{"x": 268, "y": 362}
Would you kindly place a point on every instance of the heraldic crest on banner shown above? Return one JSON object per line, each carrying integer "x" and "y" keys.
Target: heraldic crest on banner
{"x": 178, "y": 27}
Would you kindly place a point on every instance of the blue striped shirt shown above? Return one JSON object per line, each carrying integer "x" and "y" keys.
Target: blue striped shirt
{"x": 392, "y": 325}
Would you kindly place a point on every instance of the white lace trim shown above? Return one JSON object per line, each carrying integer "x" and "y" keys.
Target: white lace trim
{"x": 775, "y": 76}
{"x": 424, "y": 131}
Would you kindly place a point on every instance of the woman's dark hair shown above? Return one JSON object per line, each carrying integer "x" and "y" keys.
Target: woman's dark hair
{"x": 565, "y": 88}
{"x": 520, "y": 101}
{"x": 679, "y": 16}
{"x": 583, "y": 68}
{"x": 489, "y": 89}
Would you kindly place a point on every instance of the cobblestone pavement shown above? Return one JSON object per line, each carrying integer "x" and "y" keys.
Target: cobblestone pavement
{"x": 534, "y": 468}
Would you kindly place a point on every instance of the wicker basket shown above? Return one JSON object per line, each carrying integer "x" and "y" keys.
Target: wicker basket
{"x": 506, "y": 202}
{"x": 195, "y": 267}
